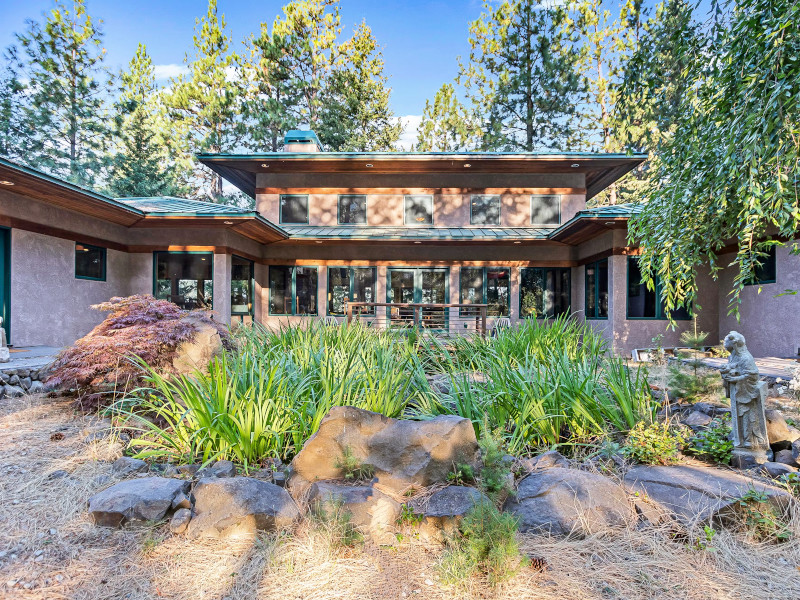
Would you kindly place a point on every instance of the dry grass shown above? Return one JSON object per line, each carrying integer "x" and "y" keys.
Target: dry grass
{"x": 80, "y": 561}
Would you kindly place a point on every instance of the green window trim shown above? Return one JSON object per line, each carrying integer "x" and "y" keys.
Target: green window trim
{"x": 352, "y": 282}
{"x": 209, "y": 255}
{"x": 283, "y": 197}
{"x": 79, "y": 247}
{"x": 541, "y": 272}
{"x": 678, "y": 315}
{"x": 252, "y": 311}
{"x": 294, "y": 312}
{"x": 493, "y": 198}
{"x": 594, "y": 315}
{"x": 766, "y": 272}
{"x": 534, "y": 198}
{"x": 339, "y": 209}
{"x": 484, "y": 299}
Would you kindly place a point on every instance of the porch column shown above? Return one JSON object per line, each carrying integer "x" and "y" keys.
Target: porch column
{"x": 222, "y": 287}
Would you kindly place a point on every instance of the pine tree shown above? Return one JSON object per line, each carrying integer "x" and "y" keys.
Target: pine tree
{"x": 446, "y": 125}
{"x": 10, "y": 114}
{"x": 142, "y": 166}
{"x": 521, "y": 76}
{"x": 356, "y": 116}
{"x": 205, "y": 105}
{"x": 64, "y": 116}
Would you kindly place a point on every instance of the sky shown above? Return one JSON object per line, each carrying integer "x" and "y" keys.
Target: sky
{"x": 421, "y": 39}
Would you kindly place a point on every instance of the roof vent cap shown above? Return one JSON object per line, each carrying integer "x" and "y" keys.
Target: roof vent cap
{"x": 300, "y": 140}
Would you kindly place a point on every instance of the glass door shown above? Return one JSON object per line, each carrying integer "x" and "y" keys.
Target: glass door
{"x": 418, "y": 286}
{"x": 5, "y": 281}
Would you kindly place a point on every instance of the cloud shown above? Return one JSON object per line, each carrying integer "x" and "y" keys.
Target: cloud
{"x": 409, "y": 135}
{"x": 168, "y": 71}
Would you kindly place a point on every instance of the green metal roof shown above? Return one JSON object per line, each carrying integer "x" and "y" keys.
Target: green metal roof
{"x": 171, "y": 206}
{"x": 301, "y": 136}
{"x": 419, "y": 155}
{"x": 357, "y": 232}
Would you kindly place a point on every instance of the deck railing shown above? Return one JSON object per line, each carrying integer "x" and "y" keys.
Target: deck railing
{"x": 438, "y": 319}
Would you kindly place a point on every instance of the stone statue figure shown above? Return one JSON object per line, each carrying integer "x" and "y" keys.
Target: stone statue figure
{"x": 5, "y": 354}
{"x": 747, "y": 394}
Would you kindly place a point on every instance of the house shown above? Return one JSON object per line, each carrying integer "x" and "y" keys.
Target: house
{"x": 511, "y": 231}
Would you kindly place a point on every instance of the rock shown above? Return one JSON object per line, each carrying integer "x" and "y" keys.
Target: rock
{"x": 125, "y": 465}
{"x": 444, "y": 510}
{"x": 4, "y": 377}
{"x": 36, "y": 387}
{"x": 442, "y": 383}
{"x": 14, "y": 379}
{"x": 180, "y": 520}
{"x": 135, "y": 500}
{"x": 23, "y": 373}
{"x": 696, "y": 420}
{"x": 234, "y": 506}
{"x": 796, "y": 450}
{"x": 776, "y": 469}
{"x": 786, "y": 457}
{"x": 563, "y": 501}
{"x": 372, "y": 511}
{"x": 195, "y": 354}
{"x": 221, "y": 468}
{"x": 97, "y": 436}
{"x": 794, "y": 434}
{"x": 545, "y": 461}
{"x": 181, "y": 470}
{"x": 13, "y": 391}
{"x": 777, "y": 431}
{"x": 695, "y": 493}
{"x": 25, "y": 383}
{"x": 402, "y": 454}
{"x": 60, "y": 474}
{"x": 101, "y": 480}
{"x": 711, "y": 409}
{"x": 279, "y": 478}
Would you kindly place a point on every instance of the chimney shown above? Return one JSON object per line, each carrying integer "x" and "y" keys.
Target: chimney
{"x": 298, "y": 140}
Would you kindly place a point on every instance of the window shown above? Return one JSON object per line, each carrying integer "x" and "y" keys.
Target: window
{"x": 90, "y": 262}
{"x": 545, "y": 210}
{"x": 421, "y": 286}
{"x": 292, "y": 290}
{"x": 352, "y": 210}
{"x": 490, "y": 285}
{"x": 185, "y": 278}
{"x": 294, "y": 209}
{"x": 353, "y": 284}
{"x": 544, "y": 293}
{"x": 597, "y": 290}
{"x": 644, "y": 303}
{"x": 418, "y": 210}
{"x": 766, "y": 272}
{"x": 241, "y": 286}
{"x": 485, "y": 210}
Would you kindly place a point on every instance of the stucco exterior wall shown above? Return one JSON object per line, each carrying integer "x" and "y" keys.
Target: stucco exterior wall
{"x": 769, "y": 323}
{"x": 49, "y": 306}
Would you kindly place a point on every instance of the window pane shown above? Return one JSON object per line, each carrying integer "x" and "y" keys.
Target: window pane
{"x": 353, "y": 209}
{"x": 485, "y": 210}
{"x": 434, "y": 287}
{"x": 294, "y": 209}
{"x": 241, "y": 286}
{"x": 338, "y": 289}
{"x": 306, "y": 284}
{"x": 498, "y": 293}
{"x": 641, "y": 301}
{"x": 766, "y": 272}
{"x": 602, "y": 289}
{"x": 591, "y": 290}
{"x": 364, "y": 287}
{"x": 560, "y": 293}
{"x": 531, "y": 292}
{"x": 185, "y": 279}
{"x": 471, "y": 289}
{"x": 419, "y": 210}
{"x": 545, "y": 210}
{"x": 280, "y": 290}
{"x": 401, "y": 286}
{"x": 90, "y": 262}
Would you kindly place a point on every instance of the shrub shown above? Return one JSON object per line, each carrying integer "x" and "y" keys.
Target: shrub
{"x": 486, "y": 546}
{"x": 495, "y": 471}
{"x": 138, "y": 327}
{"x": 653, "y": 444}
{"x": 713, "y": 443}
{"x": 761, "y": 519}
{"x": 352, "y": 468}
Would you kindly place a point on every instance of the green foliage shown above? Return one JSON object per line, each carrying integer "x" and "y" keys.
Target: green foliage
{"x": 792, "y": 483}
{"x": 691, "y": 385}
{"x": 762, "y": 520}
{"x": 712, "y": 443}
{"x": 729, "y": 171}
{"x": 495, "y": 471}
{"x": 446, "y": 125}
{"x": 461, "y": 474}
{"x": 352, "y": 468}
{"x": 653, "y": 444}
{"x": 704, "y": 543}
{"x": 331, "y": 522}
{"x": 486, "y": 546}
{"x": 408, "y": 516}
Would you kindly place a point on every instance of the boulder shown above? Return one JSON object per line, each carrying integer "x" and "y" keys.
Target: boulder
{"x": 37, "y": 387}
{"x": 195, "y": 354}
{"x": 13, "y": 391}
{"x": 697, "y": 420}
{"x": 777, "y": 431}
{"x": 372, "y": 511}
{"x": 402, "y": 454}
{"x": 696, "y": 493}
{"x": 221, "y": 468}
{"x": 563, "y": 501}
{"x": 443, "y": 511}
{"x": 794, "y": 434}
{"x": 126, "y": 465}
{"x": 180, "y": 520}
{"x": 442, "y": 383}
{"x": 786, "y": 457}
{"x": 776, "y": 469}
{"x": 145, "y": 499}
{"x": 710, "y": 409}
{"x": 545, "y": 461}
{"x": 240, "y": 506}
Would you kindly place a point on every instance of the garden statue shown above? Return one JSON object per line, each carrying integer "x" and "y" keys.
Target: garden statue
{"x": 747, "y": 395}
{"x": 5, "y": 354}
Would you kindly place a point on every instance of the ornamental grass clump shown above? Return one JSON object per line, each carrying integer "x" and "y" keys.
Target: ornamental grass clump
{"x": 139, "y": 327}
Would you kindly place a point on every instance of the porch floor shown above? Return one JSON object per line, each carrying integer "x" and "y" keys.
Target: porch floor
{"x": 30, "y": 357}
{"x": 769, "y": 367}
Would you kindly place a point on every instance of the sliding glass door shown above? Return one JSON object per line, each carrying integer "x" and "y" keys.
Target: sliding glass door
{"x": 414, "y": 285}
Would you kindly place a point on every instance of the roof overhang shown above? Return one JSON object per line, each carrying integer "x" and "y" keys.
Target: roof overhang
{"x": 34, "y": 184}
{"x": 249, "y": 225}
{"x": 601, "y": 170}
{"x": 587, "y": 225}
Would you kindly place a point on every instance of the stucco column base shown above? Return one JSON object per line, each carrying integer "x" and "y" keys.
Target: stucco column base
{"x": 743, "y": 458}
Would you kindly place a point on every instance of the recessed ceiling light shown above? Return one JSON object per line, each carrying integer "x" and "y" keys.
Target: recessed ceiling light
{"x": 319, "y": 241}
{"x": 264, "y": 165}
{"x": 6, "y": 182}
{"x": 228, "y": 222}
{"x": 517, "y": 242}
{"x": 369, "y": 165}
{"x": 574, "y": 165}
{"x": 608, "y": 223}
{"x": 417, "y": 242}
{"x": 467, "y": 165}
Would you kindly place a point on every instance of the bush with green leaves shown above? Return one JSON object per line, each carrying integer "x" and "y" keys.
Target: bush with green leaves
{"x": 486, "y": 545}
{"x": 352, "y": 468}
{"x": 653, "y": 444}
{"x": 712, "y": 443}
{"x": 763, "y": 521}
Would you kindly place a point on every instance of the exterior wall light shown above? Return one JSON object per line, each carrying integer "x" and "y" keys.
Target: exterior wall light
{"x": 574, "y": 165}
{"x": 517, "y": 242}
{"x": 417, "y": 242}
{"x": 228, "y": 222}
{"x": 6, "y": 182}
{"x": 264, "y": 165}
{"x": 368, "y": 165}
{"x": 467, "y": 165}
